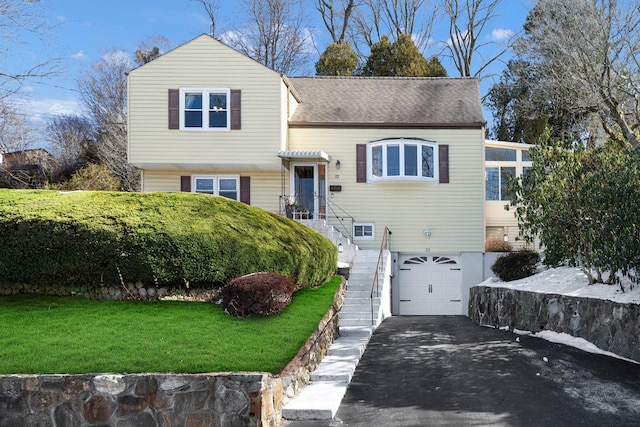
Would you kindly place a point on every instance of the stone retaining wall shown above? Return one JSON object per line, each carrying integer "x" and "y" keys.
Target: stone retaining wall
{"x": 130, "y": 291}
{"x": 611, "y": 326}
{"x": 166, "y": 400}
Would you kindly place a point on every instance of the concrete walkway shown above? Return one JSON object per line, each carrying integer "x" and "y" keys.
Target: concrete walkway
{"x": 321, "y": 399}
{"x": 447, "y": 371}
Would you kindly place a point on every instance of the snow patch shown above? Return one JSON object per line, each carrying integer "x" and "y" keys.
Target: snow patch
{"x": 570, "y": 281}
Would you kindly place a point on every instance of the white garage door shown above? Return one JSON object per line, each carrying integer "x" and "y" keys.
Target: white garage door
{"x": 430, "y": 284}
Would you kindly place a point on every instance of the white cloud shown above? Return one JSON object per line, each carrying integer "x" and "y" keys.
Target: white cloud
{"x": 43, "y": 109}
{"x": 501, "y": 34}
{"x": 79, "y": 55}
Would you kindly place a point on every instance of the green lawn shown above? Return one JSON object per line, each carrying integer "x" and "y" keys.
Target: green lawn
{"x": 71, "y": 335}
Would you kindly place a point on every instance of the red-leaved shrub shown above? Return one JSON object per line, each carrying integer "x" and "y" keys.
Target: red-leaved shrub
{"x": 257, "y": 293}
{"x": 496, "y": 244}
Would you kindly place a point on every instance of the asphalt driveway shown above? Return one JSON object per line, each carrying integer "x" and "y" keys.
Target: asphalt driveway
{"x": 447, "y": 371}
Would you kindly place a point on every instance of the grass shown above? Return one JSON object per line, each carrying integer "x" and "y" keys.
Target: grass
{"x": 72, "y": 335}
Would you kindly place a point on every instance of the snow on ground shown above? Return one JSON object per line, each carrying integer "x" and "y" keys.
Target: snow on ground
{"x": 573, "y": 282}
{"x": 569, "y": 281}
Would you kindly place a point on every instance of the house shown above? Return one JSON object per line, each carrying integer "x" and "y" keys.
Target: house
{"x": 363, "y": 154}
{"x": 27, "y": 168}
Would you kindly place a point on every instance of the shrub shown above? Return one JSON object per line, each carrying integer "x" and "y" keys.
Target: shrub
{"x": 257, "y": 293}
{"x": 107, "y": 239}
{"x": 516, "y": 265}
{"x": 91, "y": 177}
{"x": 496, "y": 244}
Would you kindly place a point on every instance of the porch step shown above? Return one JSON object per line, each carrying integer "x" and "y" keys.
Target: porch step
{"x": 318, "y": 401}
{"x": 356, "y": 331}
{"x": 336, "y": 368}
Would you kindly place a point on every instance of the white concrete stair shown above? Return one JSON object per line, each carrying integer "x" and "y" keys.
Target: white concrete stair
{"x": 321, "y": 399}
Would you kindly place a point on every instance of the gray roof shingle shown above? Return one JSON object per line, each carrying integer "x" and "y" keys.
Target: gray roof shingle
{"x": 388, "y": 101}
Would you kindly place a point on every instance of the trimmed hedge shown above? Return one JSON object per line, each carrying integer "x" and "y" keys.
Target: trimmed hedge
{"x": 101, "y": 239}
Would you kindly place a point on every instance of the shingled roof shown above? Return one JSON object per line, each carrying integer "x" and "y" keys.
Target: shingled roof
{"x": 387, "y": 102}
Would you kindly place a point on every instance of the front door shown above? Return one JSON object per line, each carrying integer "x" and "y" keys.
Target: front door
{"x": 309, "y": 188}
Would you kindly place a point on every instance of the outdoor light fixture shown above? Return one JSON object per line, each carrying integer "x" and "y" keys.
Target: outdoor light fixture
{"x": 340, "y": 248}
{"x": 337, "y": 164}
{"x": 426, "y": 232}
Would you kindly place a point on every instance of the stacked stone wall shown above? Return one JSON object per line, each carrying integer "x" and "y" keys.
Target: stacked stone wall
{"x": 611, "y": 326}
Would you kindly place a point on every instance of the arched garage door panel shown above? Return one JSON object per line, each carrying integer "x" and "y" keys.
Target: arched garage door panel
{"x": 430, "y": 284}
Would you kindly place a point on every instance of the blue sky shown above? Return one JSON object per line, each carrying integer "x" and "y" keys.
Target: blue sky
{"x": 85, "y": 29}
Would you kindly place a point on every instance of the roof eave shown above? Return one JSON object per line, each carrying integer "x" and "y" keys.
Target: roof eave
{"x": 380, "y": 125}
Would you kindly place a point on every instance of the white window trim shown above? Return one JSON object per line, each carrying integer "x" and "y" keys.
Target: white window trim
{"x": 216, "y": 183}
{"x": 402, "y": 178}
{"x": 364, "y": 224}
{"x": 205, "y": 108}
{"x": 519, "y": 164}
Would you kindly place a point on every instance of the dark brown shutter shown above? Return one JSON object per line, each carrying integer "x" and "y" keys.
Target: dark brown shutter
{"x": 236, "y": 106}
{"x": 443, "y": 160}
{"x": 245, "y": 189}
{"x": 185, "y": 183}
{"x": 361, "y": 162}
{"x": 174, "y": 109}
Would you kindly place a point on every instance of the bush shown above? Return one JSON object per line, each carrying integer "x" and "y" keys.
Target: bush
{"x": 496, "y": 244}
{"x": 516, "y": 265}
{"x": 90, "y": 177}
{"x": 257, "y": 293}
{"x": 107, "y": 239}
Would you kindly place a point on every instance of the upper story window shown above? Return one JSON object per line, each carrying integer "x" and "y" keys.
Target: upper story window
{"x": 402, "y": 160}
{"x": 226, "y": 186}
{"x": 501, "y": 166}
{"x": 204, "y": 109}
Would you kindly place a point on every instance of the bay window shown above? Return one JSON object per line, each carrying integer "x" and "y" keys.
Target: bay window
{"x": 402, "y": 160}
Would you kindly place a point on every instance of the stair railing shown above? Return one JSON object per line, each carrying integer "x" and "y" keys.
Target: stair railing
{"x": 384, "y": 246}
{"x": 340, "y": 214}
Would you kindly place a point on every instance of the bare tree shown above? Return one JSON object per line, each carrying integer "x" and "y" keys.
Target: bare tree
{"x": 376, "y": 18}
{"x": 103, "y": 93}
{"x": 19, "y": 18}
{"x": 73, "y": 142}
{"x": 336, "y": 15}
{"x": 15, "y": 134}
{"x": 211, "y": 8}
{"x": 150, "y": 49}
{"x": 468, "y": 19}
{"x": 274, "y": 35}
{"x": 586, "y": 55}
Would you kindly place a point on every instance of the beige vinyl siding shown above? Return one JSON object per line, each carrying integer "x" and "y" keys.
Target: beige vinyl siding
{"x": 205, "y": 63}
{"x": 454, "y": 212}
{"x": 265, "y": 186}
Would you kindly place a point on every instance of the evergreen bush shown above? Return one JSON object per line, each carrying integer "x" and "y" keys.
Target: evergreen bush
{"x": 516, "y": 265}
{"x": 109, "y": 239}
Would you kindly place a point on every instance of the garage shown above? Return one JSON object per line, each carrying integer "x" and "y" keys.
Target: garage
{"x": 430, "y": 285}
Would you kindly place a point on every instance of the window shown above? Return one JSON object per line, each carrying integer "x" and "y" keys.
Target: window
{"x": 204, "y": 109}
{"x": 501, "y": 166}
{"x": 402, "y": 160}
{"x": 496, "y": 182}
{"x": 494, "y": 154}
{"x": 363, "y": 232}
{"x": 225, "y": 186}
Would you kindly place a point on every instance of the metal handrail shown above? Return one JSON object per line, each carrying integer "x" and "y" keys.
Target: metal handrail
{"x": 347, "y": 232}
{"x": 384, "y": 246}
{"x": 331, "y": 206}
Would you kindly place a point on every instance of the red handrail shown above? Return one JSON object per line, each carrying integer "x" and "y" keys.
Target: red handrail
{"x": 374, "y": 286}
